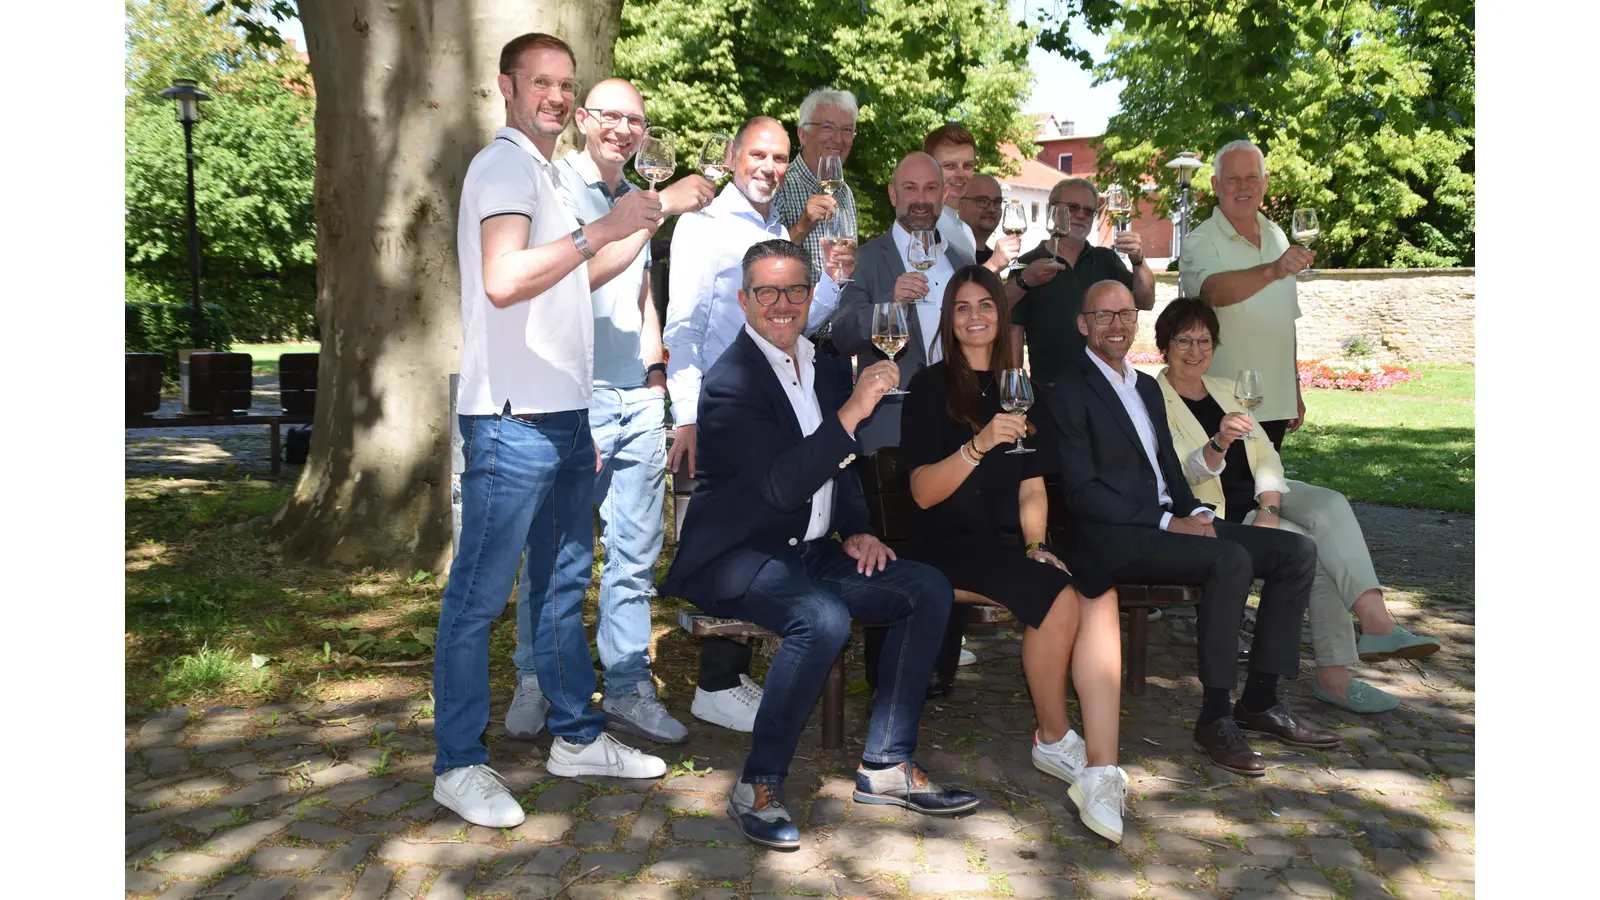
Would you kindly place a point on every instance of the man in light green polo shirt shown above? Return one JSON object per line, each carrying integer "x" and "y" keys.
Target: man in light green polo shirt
{"x": 1243, "y": 266}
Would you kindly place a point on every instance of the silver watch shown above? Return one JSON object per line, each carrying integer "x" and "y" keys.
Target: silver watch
{"x": 582, "y": 243}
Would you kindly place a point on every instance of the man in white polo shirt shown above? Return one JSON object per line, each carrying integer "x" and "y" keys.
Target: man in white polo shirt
{"x": 1239, "y": 262}
{"x": 526, "y": 370}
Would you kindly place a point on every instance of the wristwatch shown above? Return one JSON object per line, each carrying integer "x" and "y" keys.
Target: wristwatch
{"x": 1216, "y": 446}
{"x": 1032, "y": 546}
{"x": 1269, "y": 509}
{"x": 582, "y": 243}
{"x": 655, "y": 367}
{"x": 1017, "y": 280}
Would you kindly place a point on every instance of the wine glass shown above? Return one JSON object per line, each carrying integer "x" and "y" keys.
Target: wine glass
{"x": 1014, "y": 222}
{"x": 1016, "y": 396}
{"x": 830, "y": 174}
{"x": 1057, "y": 219}
{"x": 837, "y": 233}
{"x": 1247, "y": 390}
{"x": 1305, "y": 231}
{"x": 657, "y": 156}
{"x": 890, "y": 332}
{"x": 1120, "y": 207}
{"x": 921, "y": 253}
{"x": 714, "y": 157}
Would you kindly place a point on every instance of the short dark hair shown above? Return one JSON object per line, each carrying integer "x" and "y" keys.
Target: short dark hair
{"x": 514, "y": 48}
{"x": 776, "y": 248}
{"x": 948, "y": 134}
{"x": 1182, "y": 313}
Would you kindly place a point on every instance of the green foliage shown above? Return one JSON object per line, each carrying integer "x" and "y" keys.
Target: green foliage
{"x": 254, "y": 169}
{"x": 1364, "y": 109}
{"x": 209, "y": 670}
{"x": 709, "y": 65}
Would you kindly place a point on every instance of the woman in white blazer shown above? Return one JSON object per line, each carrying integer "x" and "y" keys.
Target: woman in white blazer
{"x": 1245, "y": 480}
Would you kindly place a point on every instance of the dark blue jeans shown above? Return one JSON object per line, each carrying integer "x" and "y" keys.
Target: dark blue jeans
{"x": 809, "y": 600}
{"x": 528, "y": 488}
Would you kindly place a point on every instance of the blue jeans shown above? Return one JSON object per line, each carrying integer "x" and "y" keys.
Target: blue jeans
{"x": 629, "y": 425}
{"x": 526, "y": 487}
{"x": 809, "y": 600}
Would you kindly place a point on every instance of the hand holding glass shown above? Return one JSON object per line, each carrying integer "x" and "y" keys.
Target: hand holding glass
{"x": 837, "y": 234}
{"x": 830, "y": 174}
{"x": 657, "y": 156}
{"x": 1016, "y": 396}
{"x": 920, "y": 253}
{"x": 1247, "y": 390}
{"x": 1305, "y": 231}
{"x": 890, "y": 332}
{"x": 714, "y": 157}
{"x": 1014, "y": 222}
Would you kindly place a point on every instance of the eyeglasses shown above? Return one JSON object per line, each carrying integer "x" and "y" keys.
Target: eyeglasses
{"x": 1104, "y": 316}
{"x": 829, "y": 129}
{"x": 611, "y": 118}
{"x": 1075, "y": 209}
{"x": 796, "y": 294}
{"x": 984, "y": 202}
{"x": 1184, "y": 343}
{"x": 543, "y": 84}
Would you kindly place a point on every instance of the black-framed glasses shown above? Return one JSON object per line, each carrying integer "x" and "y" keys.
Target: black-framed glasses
{"x": 543, "y": 83}
{"x": 796, "y": 294}
{"x": 1104, "y": 316}
{"x": 1185, "y": 343}
{"x": 611, "y": 118}
{"x": 985, "y": 202}
{"x": 829, "y": 129}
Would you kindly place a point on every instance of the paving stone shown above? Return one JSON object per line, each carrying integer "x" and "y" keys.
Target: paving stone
{"x": 337, "y": 774}
{"x": 349, "y": 856}
{"x": 252, "y": 794}
{"x": 440, "y": 855}
{"x": 233, "y": 841}
{"x": 1308, "y": 883}
{"x": 1173, "y": 875}
{"x": 644, "y": 830}
{"x": 193, "y": 865}
{"x": 379, "y": 826}
{"x": 137, "y": 882}
{"x": 703, "y": 863}
{"x": 373, "y": 884}
{"x": 616, "y": 891}
{"x": 716, "y": 894}
{"x": 563, "y": 797}
{"x": 140, "y": 837}
{"x": 1112, "y": 890}
{"x": 1020, "y": 857}
{"x": 409, "y": 884}
{"x": 275, "y": 888}
{"x": 1177, "y": 843}
{"x": 1397, "y": 866}
{"x": 595, "y": 834}
{"x": 163, "y": 846}
{"x": 1334, "y": 852}
{"x": 616, "y": 806}
{"x": 354, "y": 791}
{"x": 1036, "y": 887}
{"x": 811, "y": 881}
{"x": 226, "y": 760}
{"x": 945, "y": 883}
{"x": 1261, "y": 847}
{"x": 1422, "y": 838}
{"x": 452, "y": 885}
{"x": 544, "y": 828}
{"x": 1097, "y": 863}
{"x": 704, "y": 831}
{"x": 224, "y": 888}
{"x": 323, "y": 887}
{"x": 612, "y": 865}
{"x": 865, "y": 842}
{"x": 392, "y": 801}
{"x": 318, "y": 834}
{"x": 286, "y": 859}
{"x": 1248, "y": 880}
{"x": 826, "y": 811}
{"x": 679, "y": 802}
{"x": 520, "y": 887}
{"x": 1451, "y": 866}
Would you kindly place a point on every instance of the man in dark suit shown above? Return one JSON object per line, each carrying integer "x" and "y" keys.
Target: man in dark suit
{"x": 774, "y": 484}
{"x": 1132, "y": 509}
{"x": 884, "y": 272}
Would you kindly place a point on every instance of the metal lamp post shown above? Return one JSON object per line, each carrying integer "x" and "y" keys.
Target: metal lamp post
{"x": 188, "y": 97}
{"x": 1185, "y": 164}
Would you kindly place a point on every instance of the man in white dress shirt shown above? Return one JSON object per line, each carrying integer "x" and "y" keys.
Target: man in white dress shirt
{"x": 703, "y": 318}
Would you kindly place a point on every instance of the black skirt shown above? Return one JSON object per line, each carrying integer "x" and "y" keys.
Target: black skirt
{"x": 1002, "y": 573}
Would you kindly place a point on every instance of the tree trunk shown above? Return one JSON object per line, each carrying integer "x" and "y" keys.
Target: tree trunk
{"x": 406, "y": 96}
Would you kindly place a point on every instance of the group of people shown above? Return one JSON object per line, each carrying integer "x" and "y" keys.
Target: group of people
{"x": 567, "y": 373}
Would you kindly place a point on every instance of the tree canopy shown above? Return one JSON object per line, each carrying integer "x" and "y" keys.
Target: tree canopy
{"x": 708, "y": 65}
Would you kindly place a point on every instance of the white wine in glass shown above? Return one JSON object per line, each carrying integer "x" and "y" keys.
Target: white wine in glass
{"x": 837, "y": 235}
{"x": 657, "y": 156}
{"x": 830, "y": 174}
{"x": 890, "y": 332}
{"x": 1247, "y": 390}
{"x": 714, "y": 157}
{"x": 1120, "y": 208}
{"x": 1014, "y": 223}
{"x": 1305, "y": 231}
{"x": 1016, "y": 397}
{"x": 920, "y": 253}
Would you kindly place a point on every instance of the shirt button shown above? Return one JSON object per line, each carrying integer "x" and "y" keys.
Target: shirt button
{"x": 793, "y": 541}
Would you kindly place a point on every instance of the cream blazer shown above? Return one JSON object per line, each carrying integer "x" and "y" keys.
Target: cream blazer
{"x": 1189, "y": 440}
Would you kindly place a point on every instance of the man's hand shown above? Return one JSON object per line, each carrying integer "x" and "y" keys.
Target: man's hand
{"x": 683, "y": 438}
{"x": 635, "y": 211}
{"x": 1130, "y": 245}
{"x": 1040, "y": 272}
{"x": 596, "y": 457}
{"x": 819, "y": 208}
{"x": 1197, "y": 525}
{"x": 1300, "y": 410}
{"x": 910, "y": 287}
{"x": 687, "y": 194}
{"x": 839, "y": 258}
{"x": 874, "y": 381}
{"x": 1294, "y": 260}
{"x": 1006, "y": 249}
{"x": 870, "y": 554}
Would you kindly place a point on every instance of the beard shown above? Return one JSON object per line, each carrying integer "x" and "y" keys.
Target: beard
{"x": 919, "y": 217}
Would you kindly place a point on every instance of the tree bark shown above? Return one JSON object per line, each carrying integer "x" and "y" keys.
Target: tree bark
{"x": 406, "y": 95}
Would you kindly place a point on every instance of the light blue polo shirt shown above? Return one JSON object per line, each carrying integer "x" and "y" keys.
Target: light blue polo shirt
{"x": 617, "y": 317}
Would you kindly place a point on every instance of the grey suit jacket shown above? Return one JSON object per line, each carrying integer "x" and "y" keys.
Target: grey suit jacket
{"x": 878, "y": 264}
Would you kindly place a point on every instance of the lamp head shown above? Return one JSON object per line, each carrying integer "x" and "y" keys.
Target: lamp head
{"x": 188, "y": 96}
{"x": 1185, "y": 165}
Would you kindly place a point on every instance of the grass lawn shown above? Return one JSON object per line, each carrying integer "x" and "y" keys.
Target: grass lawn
{"x": 1410, "y": 445}
{"x": 264, "y": 357}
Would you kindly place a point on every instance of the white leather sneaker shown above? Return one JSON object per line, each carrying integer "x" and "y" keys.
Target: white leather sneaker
{"x": 1099, "y": 794}
{"x": 606, "y": 756}
{"x": 475, "y": 793}
{"x": 967, "y": 658}
{"x": 734, "y": 708}
{"x": 1065, "y": 759}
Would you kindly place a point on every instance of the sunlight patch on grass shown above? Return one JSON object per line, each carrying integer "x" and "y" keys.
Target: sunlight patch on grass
{"x": 210, "y": 670}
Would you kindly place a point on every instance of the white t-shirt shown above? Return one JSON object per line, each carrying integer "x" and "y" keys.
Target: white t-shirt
{"x": 537, "y": 355}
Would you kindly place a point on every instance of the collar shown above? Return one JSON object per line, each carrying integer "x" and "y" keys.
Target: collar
{"x": 804, "y": 349}
{"x": 1130, "y": 375}
{"x": 799, "y": 164}
{"x": 731, "y": 201}
{"x": 583, "y": 164}
{"x": 1228, "y": 231}
{"x": 523, "y": 141}
{"x": 902, "y": 239}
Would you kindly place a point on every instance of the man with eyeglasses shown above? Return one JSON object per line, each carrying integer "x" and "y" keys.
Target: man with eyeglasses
{"x": 1129, "y": 505}
{"x": 627, "y": 418}
{"x": 827, "y": 127}
{"x": 526, "y": 374}
{"x": 1049, "y": 290}
{"x": 981, "y": 206}
{"x": 703, "y": 319}
{"x": 774, "y": 485}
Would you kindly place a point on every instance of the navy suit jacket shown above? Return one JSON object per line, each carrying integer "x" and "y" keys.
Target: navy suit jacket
{"x": 1106, "y": 479}
{"x": 756, "y": 473}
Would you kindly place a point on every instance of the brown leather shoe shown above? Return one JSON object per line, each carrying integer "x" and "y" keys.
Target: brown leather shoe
{"x": 1224, "y": 744}
{"x": 1281, "y": 723}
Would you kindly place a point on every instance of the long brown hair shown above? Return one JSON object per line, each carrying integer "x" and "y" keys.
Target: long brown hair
{"x": 961, "y": 383}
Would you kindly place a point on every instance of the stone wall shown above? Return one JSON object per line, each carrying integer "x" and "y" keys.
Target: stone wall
{"x": 1405, "y": 315}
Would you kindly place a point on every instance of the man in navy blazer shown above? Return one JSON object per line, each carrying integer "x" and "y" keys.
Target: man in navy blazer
{"x": 773, "y": 486}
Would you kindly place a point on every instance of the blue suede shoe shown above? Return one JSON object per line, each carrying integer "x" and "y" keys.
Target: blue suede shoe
{"x": 907, "y": 785}
{"x": 759, "y": 810}
{"x": 1401, "y": 644}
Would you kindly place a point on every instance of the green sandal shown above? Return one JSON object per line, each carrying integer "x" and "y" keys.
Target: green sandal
{"x": 1359, "y": 697}
{"x": 1400, "y": 644}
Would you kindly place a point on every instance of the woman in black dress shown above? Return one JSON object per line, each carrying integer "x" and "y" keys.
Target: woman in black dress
{"x": 982, "y": 523}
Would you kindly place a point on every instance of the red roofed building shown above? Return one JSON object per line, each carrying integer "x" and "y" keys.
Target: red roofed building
{"x": 1068, "y": 154}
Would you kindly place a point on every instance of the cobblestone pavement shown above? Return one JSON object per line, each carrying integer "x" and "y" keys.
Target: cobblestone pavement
{"x": 333, "y": 801}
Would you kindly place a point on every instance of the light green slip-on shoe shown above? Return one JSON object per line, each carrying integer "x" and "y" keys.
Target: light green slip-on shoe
{"x": 1359, "y": 697}
{"x": 1400, "y": 644}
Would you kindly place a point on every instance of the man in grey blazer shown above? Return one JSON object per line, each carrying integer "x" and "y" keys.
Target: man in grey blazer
{"x": 883, "y": 273}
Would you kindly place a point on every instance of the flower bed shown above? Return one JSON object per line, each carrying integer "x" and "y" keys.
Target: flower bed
{"x": 1153, "y": 358}
{"x": 1346, "y": 375}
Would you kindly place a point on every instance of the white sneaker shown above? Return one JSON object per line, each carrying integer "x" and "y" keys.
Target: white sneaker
{"x": 753, "y": 685}
{"x": 526, "y": 715}
{"x": 1065, "y": 759}
{"x": 606, "y": 756}
{"x": 1099, "y": 794}
{"x": 967, "y": 658}
{"x": 734, "y": 708}
{"x": 475, "y": 793}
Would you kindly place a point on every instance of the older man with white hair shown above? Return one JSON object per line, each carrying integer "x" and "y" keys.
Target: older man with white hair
{"x": 827, "y": 127}
{"x": 1240, "y": 263}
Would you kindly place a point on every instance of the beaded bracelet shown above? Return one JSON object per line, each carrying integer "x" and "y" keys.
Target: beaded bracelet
{"x": 966, "y": 459}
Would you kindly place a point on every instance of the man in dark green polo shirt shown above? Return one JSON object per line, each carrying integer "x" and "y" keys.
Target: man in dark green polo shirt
{"x": 1051, "y": 295}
